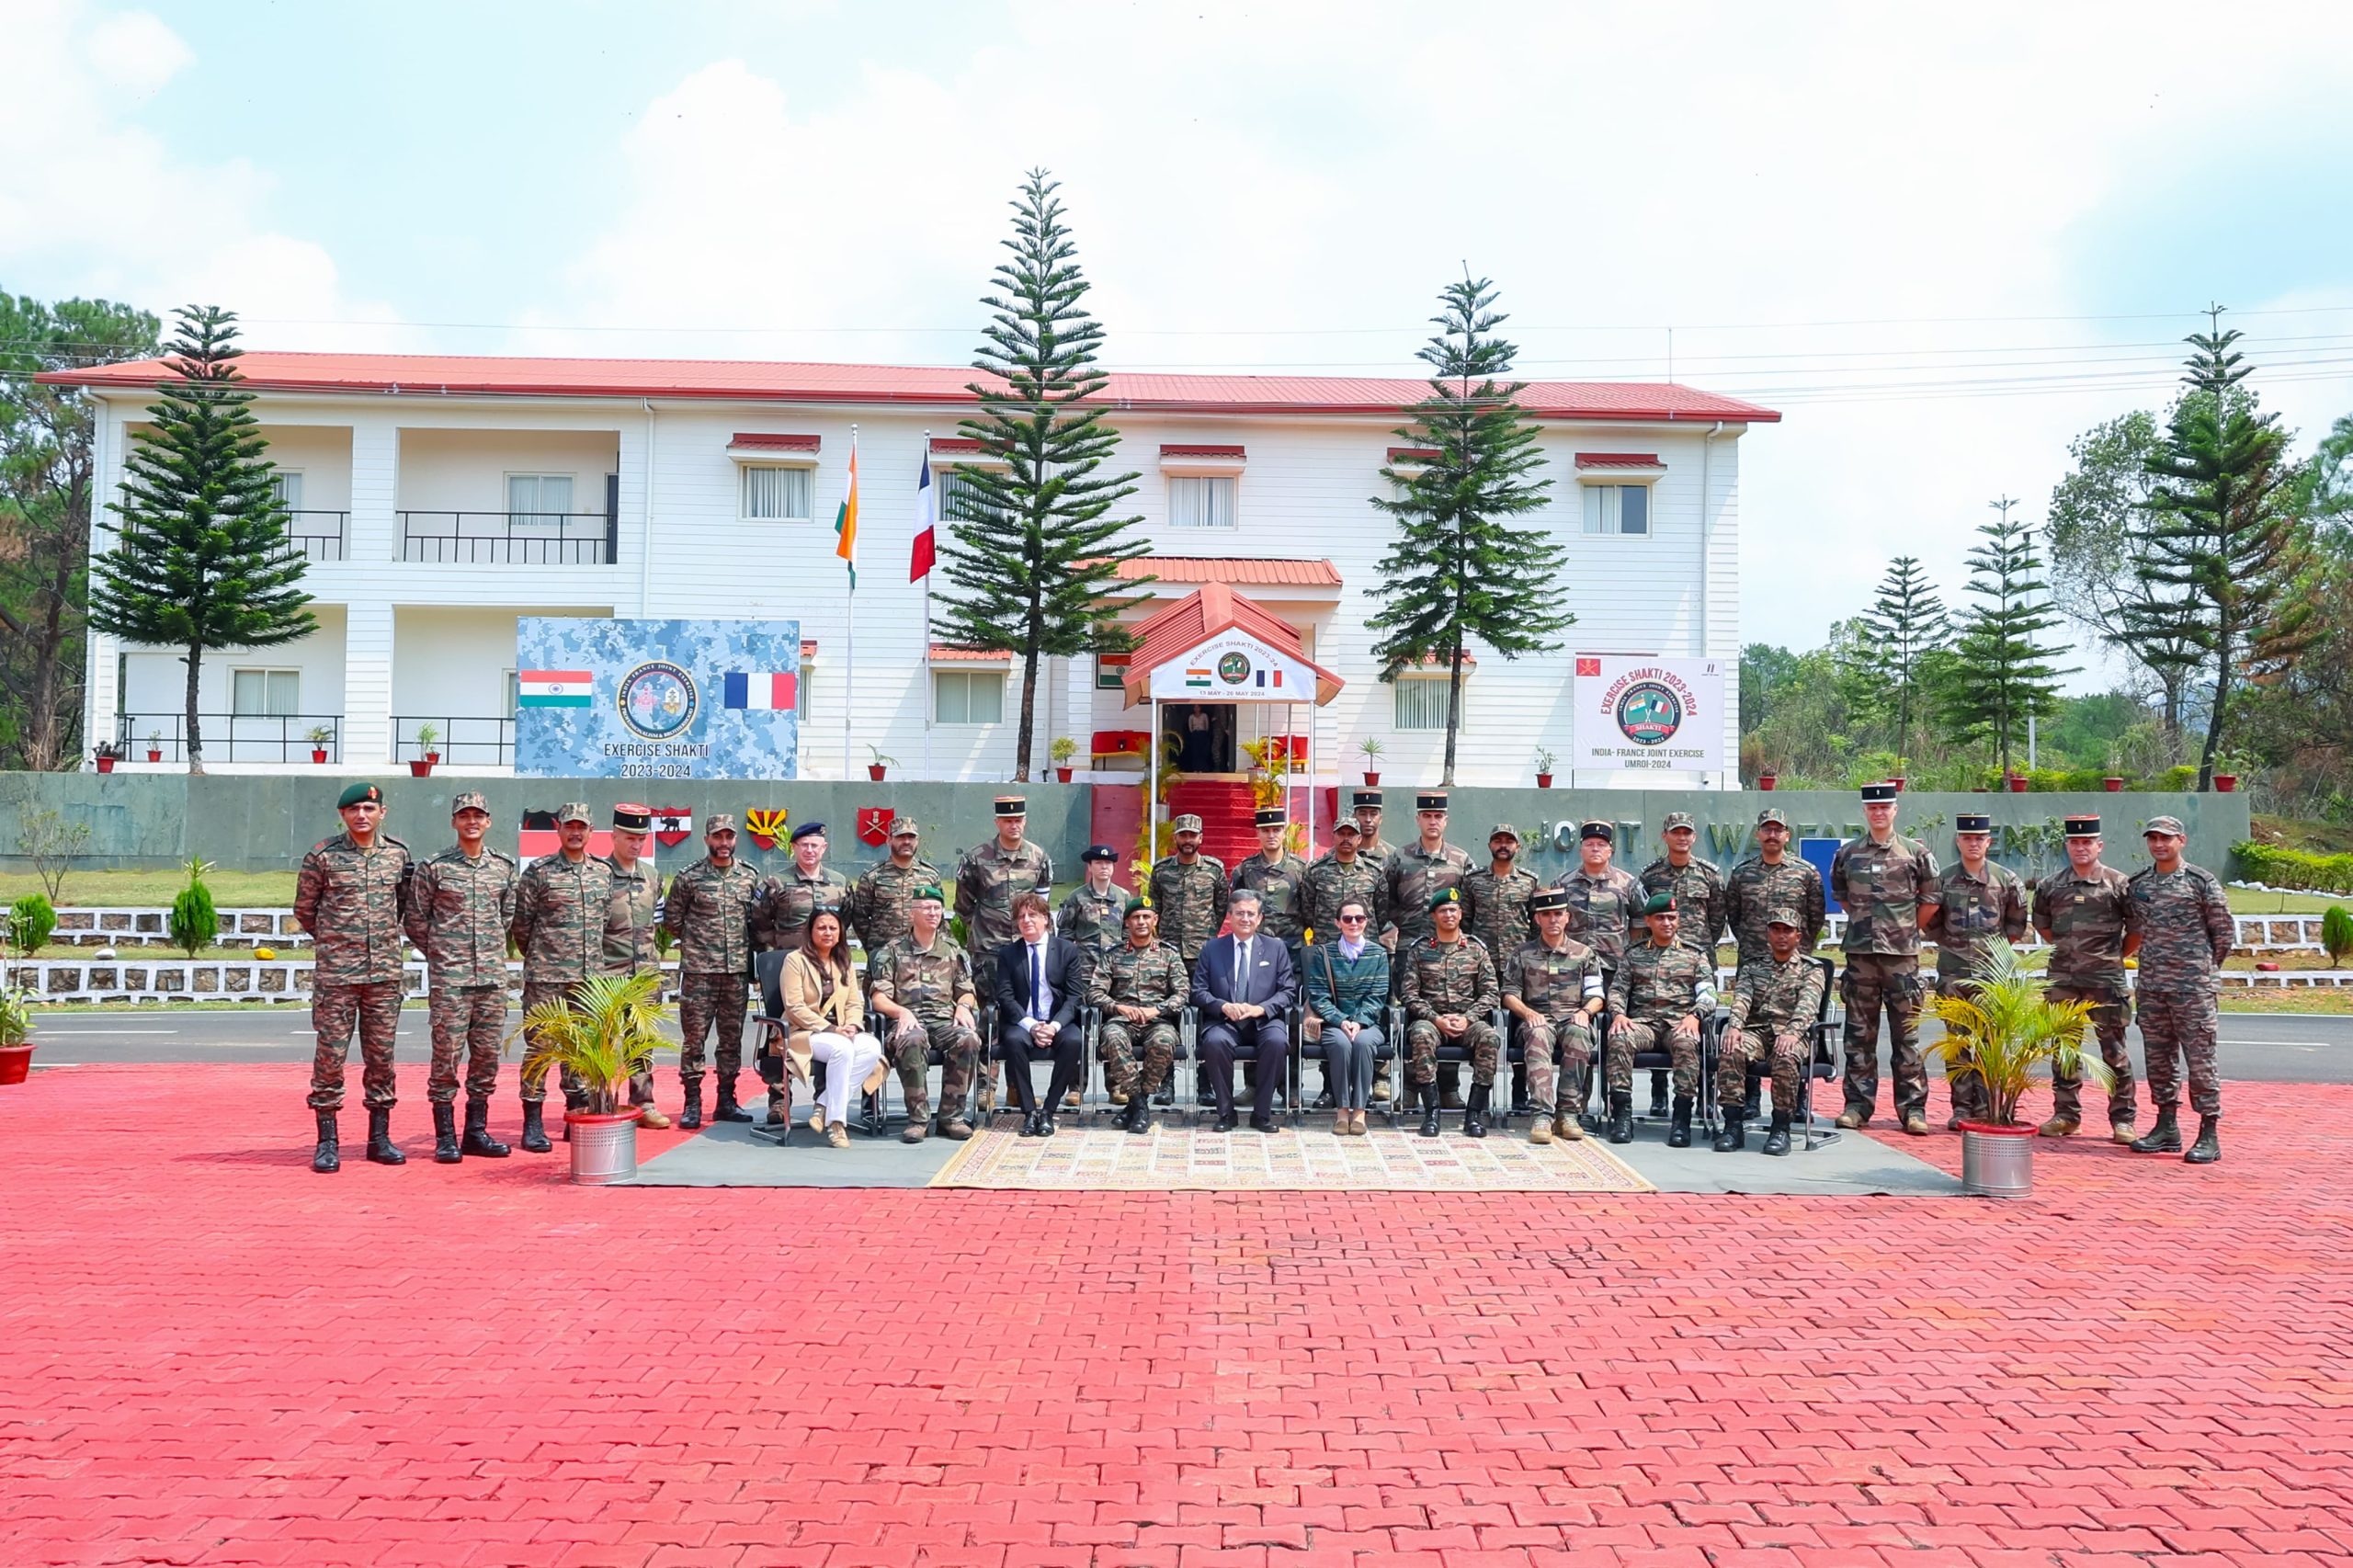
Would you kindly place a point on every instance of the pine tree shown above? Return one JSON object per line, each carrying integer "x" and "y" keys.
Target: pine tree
{"x": 1905, "y": 625}
{"x": 1030, "y": 543}
{"x": 2003, "y": 674}
{"x": 1458, "y": 569}
{"x": 202, "y": 559}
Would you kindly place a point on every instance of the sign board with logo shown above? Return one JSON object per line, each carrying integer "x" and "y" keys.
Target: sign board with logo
{"x": 656, "y": 698}
{"x": 1234, "y": 666}
{"x": 1641, "y": 714}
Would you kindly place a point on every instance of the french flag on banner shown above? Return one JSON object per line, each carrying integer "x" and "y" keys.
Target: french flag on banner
{"x": 761, "y": 693}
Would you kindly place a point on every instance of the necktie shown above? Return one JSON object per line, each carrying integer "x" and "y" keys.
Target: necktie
{"x": 1037, "y": 996}
{"x": 1240, "y": 969}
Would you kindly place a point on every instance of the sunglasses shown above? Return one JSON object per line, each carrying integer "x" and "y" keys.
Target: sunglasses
{"x": 1352, "y": 919}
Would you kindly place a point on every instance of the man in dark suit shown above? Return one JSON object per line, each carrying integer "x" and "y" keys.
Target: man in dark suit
{"x": 1244, "y": 987}
{"x": 1040, "y": 979}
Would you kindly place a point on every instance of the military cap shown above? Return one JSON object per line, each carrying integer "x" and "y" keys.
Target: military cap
{"x": 1784, "y": 916}
{"x": 1347, "y": 824}
{"x": 470, "y": 800}
{"x": 719, "y": 821}
{"x": 1189, "y": 823}
{"x": 1600, "y": 830}
{"x": 1878, "y": 794}
{"x": 1363, "y": 800}
{"x": 1973, "y": 822}
{"x": 1443, "y": 897}
{"x": 1430, "y": 800}
{"x": 1012, "y": 806}
{"x": 902, "y": 826}
{"x": 2083, "y": 827}
{"x": 1773, "y": 814}
{"x": 1272, "y": 816}
{"x": 1503, "y": 830}
{"x": 1678, "y": 819}
{"x": 574, "y": 811}
{"x": 1136, "y": 903}
{"x": 929, "y": 892}
{"x": 633, "y": 818}
{"x": 357, "y": 794}
{"x": 806, "y": 830}
{"x": 2165, "y": 824}
{"x": 1660, "y": 903}
{"x": 1098, "y": 852}
{"x": 1549, "y": 898}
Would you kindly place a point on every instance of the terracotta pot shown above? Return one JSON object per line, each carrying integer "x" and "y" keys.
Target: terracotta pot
{"x": 1897, "y": 780}
{"x": 1371, "y": 780}
{"x": 421, "y": 769}
{"x": 2226, "y": 783}
{"x": 105, "y": 765}
{"x": 154, "y": 755}
{"x": 875, "y": 770}
{"x": 1767, "y": 780}
{"x": 2112, "y": 784}
{"x": 2017, "y": 785}
{"x": 1543, "y": 781}
{"x": 16, "y": 1061}
{"x": 1062, "y": 775}
{"x": 318, "y": 754}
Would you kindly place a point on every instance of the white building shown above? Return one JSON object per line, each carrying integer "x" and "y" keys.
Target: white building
{"x": 440, "y": 497}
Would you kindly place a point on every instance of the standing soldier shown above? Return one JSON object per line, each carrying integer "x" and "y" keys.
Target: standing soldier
{"x": 564, "y": 915}
{"x": 987, "y": 883}
{"x": 709, "y": 914}
{"x": 1960, "y": 912}
{"x": 630, "y": 947}
{"x": 1416, "y": 874}
{"x": 1365, "y": 806}
{"x": 1553, "y": 987}
{"x": 1606, "y": 911}
{"x": 1496, "y": 910}
{"x": 1659, "y": 995}
{"x": 1698, "y": 889}
{"x": 351, "y": 897}
{"x": 1450, "y": 993}
{"x": 1276, "y": 875}
{"x": 1093, "y": 914}
{"x": 459, "y": 907}
{"x": 1881, "y": 880}
{"x": 1189, "y": 889}
{"x": 2182, "y": 921}
{"x": 1774, "y": 1006}
{"x": 877, "y": 906}
{"x": 2084, "y": 912}
{"x": 922, "y": 986}
{"x": 780, "y": 912}
{"x": 1772, "y": 879}
{"x": 1140, "y": 988}
{"x": 1342, "y": 875}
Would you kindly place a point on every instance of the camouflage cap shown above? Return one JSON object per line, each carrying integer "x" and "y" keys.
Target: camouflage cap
{"x": 1445, "y": 896}
{"x": 1679, "y": 819}
{"x": 903, "y": 826}
{"x": 2165, "y": 824}
{"x": 574, "y": 811}
{"x": 1660, "y": 903}
{"x": 719, "y": 821}
{"x": 1503, "y": 830}
{"x": 1348, "y": 824}
{"x": 1784, "y": 916}
{"x": 359, "y": 794}
{"x": 1189, "y": 823}
{"x": 470, "y": 800}
{"x": 1773, "y": 816}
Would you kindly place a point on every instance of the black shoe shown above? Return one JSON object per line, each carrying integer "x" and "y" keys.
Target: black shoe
{"x": 1136, "y": 1115}
{"x": 535, "y": 1136}
{"x": 445, "y": 1134}
{"x": 1776, "y": 1142}
{"x": 2165, "y": 1138}
{"x": 1621, "y": 1117}
{"x": 328, "y": 1157}
{"x": 1266, "y": 1124}
{"x": 2208, "y": 1147}
{"x": 691, "y": 1117}
{"x": 1045, "y": 1125}
{"x": 728, "y": 1110}
{"x": 1735, "y": 1137}
{"x": 1678, "y": 1131}
{"x": 1752, "y": 1104}
{"x": 1658, "y": 1095}
{"x": 380, "y": 1137}
{"x": 1029, "y": 1126}
{"x": 1475, "y": 1115}
{"x": 1326, "y": 1101}
{"x": 1428, "y": 1096}
{"x": 1227, "y": 1121}
{"x": 478, "y": 1140}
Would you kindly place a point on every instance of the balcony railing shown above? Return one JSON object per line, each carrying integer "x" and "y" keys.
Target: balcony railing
{"x": 318, "y": 534}
{"x": 525, "y": 538}
{"x": 463, "y": 742}
{"x": 230, "y": 737}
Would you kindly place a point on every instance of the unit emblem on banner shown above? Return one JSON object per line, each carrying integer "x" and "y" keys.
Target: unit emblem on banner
{"x": 657, "y": 700}
{"x": 1649, "y": 713}
{"x": 874, "y": 825}
{"x": 673, "y": 825}
{"x": 765, "y": 826}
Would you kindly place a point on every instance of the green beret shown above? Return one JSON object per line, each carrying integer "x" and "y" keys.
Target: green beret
{"x": 1443, "y": 897}
{"x": 930, "y": 891}
{"x": 1660, "y": 903}
{"x": 1135, "y": 905}
{"x": 359, "y": 794}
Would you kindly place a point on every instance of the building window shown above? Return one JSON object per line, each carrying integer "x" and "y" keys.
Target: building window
{"x": 968, "y": 697}
{"x": 955, "y": 491}
{"x": 265, "y": 694}
{"x": 514, "y": 694}
{"x": 779, "y": 494}
{"x": 1421, "y": 702}
{"x": 286, "y": 488}
{"x": 1200, "y": 501}
{"x": 1617, "y": 509}
{"x": 539, "y": 498}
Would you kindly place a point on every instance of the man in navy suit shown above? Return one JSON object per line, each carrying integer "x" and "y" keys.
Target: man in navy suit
{"x": 1244, "y": 987}
{"x": 1040, "y": 979}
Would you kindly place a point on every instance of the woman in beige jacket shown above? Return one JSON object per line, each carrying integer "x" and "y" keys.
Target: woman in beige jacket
{"x": 827, "y": 1015}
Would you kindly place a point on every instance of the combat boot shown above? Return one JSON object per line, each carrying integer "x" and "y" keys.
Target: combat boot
{"x": 380, "y": 1137}
{"x": 1735, "y": 1136}
{"x": 2165, "y": 1138}
{"x": 1475, "y": 1115}
{"x": 727, "y": 1110}
{"x": 2060, "y": 1126}
{"x": 1449, "y": 1092}
{"x": 1428, "y": 1096}
{"x": 2208, "y": 1147}
{"x": 1622, "y": 1117}
{"x": 478, "y": 1140}
{"x": 690, "y": 1115}
{"x": 1678, "y": 1131}
{"x": 535, "y": 1136}
{"x": 1539, "y": 1129}
{"x": 1658, "y": 1095}
{"x": 1853, "y": 1117}
{"x": 1752, "y": 1107}
{"x": 328, "y": 1157}
{"x": 1136, "y": 1116}
{"x": 1776, "y": 1142}
{"x": 445, "y": 1134}
{"x": 1566, "y": 1125}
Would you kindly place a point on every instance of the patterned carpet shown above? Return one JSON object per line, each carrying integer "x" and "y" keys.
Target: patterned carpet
{"x": 1180, "y": 1159}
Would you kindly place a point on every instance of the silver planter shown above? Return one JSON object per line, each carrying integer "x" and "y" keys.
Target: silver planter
{"x": 604, "y": 1148}
{"x": 1997, "y": 1164}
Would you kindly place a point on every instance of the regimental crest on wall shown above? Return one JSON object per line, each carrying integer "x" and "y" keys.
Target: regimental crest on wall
{"x": 874, "y": 825}
{"x": 766, "y": 826}
{"x": 672, "y": 824}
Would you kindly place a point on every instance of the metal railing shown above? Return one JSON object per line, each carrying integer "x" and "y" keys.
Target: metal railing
{"x": 528, "y": 538}
{"x": 463, "y": 742}
{"x": 319, "y": 535}
{"x": 230, "y": 737}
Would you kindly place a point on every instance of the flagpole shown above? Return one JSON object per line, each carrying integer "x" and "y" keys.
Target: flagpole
{"x": 923, "y": 659}
{"x": 849, "y": 636}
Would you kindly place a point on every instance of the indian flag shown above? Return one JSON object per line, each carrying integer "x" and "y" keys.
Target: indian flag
{"x": 845, "y": 520}
{"x": 555, "y": 688}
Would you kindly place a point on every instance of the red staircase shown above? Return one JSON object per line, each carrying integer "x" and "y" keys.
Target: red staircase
{"x": 1226, "y": 810}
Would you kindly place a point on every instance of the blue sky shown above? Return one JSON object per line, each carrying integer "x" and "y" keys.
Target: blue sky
{"x": 1942, "y": 243}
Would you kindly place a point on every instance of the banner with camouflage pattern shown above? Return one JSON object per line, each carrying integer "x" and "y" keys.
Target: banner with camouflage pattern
{"x": 1634, "y": 712}
{"x": 658, "y": 699}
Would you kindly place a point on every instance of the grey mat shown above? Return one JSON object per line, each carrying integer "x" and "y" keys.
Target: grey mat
{"x": 730, "y": 1156}
{"x": 1854, "y": 1167}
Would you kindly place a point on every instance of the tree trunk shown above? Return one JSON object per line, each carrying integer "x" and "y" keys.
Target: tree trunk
{"x": 2214, "y": 721}
{"x": 1029, "y": 708}
{"x": 195, "y": 739}
{"x": 1453, "y": 703}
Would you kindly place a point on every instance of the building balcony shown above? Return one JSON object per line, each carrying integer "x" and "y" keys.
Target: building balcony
{"x": 275, "y": 738}
{"x": 510, "y": 538}
{"x": 321, "y": 536}
{"x": 460, "y": 741}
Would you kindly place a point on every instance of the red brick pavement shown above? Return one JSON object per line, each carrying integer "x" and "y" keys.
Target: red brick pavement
{"x": 208, "y": 1355}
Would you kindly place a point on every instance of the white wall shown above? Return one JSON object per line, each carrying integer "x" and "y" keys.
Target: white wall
{"x": 155, "y": 684}
{"x": 465, "y": 470}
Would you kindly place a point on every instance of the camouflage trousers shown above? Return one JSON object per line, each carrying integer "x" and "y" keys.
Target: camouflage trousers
{"x": 376, "y": 1008}
{"x": 909, "y": 1046}
{"x": 1568, "y": 1041}
{"x": 2112, "y": 1011}
{"x": 1872, "y": 983}
{"x": 1683, "y": 1051}
{"x": 1790, "y": 1057}
{"x": 2175, "y": 1025}
{"x": 1120, "y": 1040}
{"x": 1422, "y": 1038}
{"x": 466, "y": 1022}
{"x": 1969, "y": 1089}
{"x": 535, "y": 1081}
{"x": 705, "y": 1000}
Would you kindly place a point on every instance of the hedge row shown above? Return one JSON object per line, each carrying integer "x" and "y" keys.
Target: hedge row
{"x": 2279, "y": 867}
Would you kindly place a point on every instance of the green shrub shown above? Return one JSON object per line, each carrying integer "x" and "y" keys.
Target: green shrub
{"x": 194, "y": 924}
{"x": 31, "y": 921}
{"x": 2280, "y": 868}
{"x": 2336, "y": 933}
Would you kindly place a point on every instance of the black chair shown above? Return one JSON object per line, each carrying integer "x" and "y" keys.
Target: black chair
{"x": 1509, "y": 1053}
{"x": 1704, "y": 1117}
{"x": 1823, "y": 1066}
{"x": 773, "y": 1029}
{"x": 1245, "y": 1054}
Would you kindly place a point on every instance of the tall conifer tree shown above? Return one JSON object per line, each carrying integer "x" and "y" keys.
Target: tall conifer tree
{"x": 2004, "y": 673}
{"x": 1904, "y": 626}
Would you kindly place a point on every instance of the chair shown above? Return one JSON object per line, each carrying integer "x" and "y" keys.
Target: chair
{"x": 1822, "y": 1065}
{"x": 1509, "y": 1053}
{"x": 1705, "y": 1119}
{"x": 769, "y": 969}
{"x": 1246, "y": 1052}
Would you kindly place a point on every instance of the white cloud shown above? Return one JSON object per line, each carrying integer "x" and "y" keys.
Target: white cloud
{"x": 134, "y": 50}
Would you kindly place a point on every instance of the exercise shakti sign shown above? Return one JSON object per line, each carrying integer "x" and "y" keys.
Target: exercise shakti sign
{"x": 656, "y": 698}
{"x": 1638, "y": 714}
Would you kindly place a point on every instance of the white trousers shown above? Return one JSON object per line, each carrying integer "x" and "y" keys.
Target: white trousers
{"x": 847, "y": 1058}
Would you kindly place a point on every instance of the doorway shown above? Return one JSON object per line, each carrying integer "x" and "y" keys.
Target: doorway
{"x": 1201, "y": 736}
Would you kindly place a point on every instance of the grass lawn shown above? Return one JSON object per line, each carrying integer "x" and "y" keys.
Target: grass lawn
{"x": 2303, "y": 999}
{"x": 156, "y": 890}
{"x": 2245, "y": 901}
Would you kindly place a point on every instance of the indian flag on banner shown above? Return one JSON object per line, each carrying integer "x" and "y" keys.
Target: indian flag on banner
{"x": 845, "y": 520}
{"x": 1197, "y": 677}
{"x": 554, "y": 688}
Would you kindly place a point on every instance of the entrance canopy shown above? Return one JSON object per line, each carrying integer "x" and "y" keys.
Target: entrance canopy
{"x": 1215, "y": 645}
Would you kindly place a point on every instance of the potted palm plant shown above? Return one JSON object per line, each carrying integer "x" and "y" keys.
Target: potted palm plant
{"x": 154, "y": 745}
{"x": 15, "y": 1034}
{"x": 1370, "y": 746}
{"x": 1544, "y": 761}
{"x": 322, "y": 737}
{"x": 603, "y": 1033}
{"x": 2003, "y": 1027}
{"x": 1061, "y": 751}
{"x": 428, "y": 737}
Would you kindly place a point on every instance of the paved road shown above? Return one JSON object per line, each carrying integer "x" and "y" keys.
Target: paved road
{"x": 2285, "y": 1048}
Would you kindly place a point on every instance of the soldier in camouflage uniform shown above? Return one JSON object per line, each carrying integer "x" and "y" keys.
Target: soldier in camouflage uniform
{"x": 1774, "y": 1006}
{"x": 1190, "y": 889}
{"x": 1496, "y": 911}
{"x": 1700, "y": 901}
{"x": 1450, "y": 993}
{"x": 1660, "y": 994}
{"x": 877, "y": 907}
{"x": 780, "y": 913}
{"x": 1093, "y": 913}
{"x": 709, "y": 914}
{"x": 565, "y": 917}
{"x": 1364, "y": 805}
{"x": 923, "y": 987}
{"x": 1880, "y": 879}
{"x": 1342, "y": 875}
{"x": 1277, "y": 877}
{"x": 1606, "y": 911}
{"x": 1967, "y": 906}
{"x": 1772, "y": 879}
{"x": 987, "y": 883}
{"x": 460, "y": 902}
{"x": 1416, "y": 873}
{"x": 637, "y": 895}
{"x": 2084, "y": 912}
{"x": 1140, "y": 988}
{"x": 2182, "y": 925}
{"x": 1553, "y": 987}
{"x": 351, "y": 896}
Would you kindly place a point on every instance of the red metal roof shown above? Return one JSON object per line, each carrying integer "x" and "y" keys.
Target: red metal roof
{"x": 1619, "y": 459}
{"x": 1200, "y": 616}
{"x": 774, "y": 442}
{"x": 765, "y": 380}
{"x": 1233, "y": 570}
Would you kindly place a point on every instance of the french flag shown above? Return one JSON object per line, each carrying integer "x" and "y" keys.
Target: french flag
{"x": 761, "y": 693}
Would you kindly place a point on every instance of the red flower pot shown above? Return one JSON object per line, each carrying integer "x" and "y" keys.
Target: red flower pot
{"x": 875, "y": 770}
{"x": 1897, "y": 780}
{"x": 318, "y": 754}
{"x": 16, "y": 1061}
{"x": 105, "y": 765}
{"x": 2112, "y": 784}
{"x": 1543, "y": 781}
{"x": 2226, "y": 783}
{"x": 2018, "y": 784}
{"x": 421, "y": 769}
{"x": 1767, "y": 780}
{"x": 1371, "y": 780}
{"x": 433, "y": 757}
{"x": 1062, "y": 775}
{"x": 154, "y": 755}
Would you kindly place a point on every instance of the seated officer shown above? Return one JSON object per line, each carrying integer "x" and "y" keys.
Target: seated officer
{"x": 922, "y": 985}
{"x": 1774, "y": 1005}
{"x": 1659, "y": 995}
{"x": 1140, "y": 988}
{"x": 1553, "y": 985}
{"x": 1449, "y": 987}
